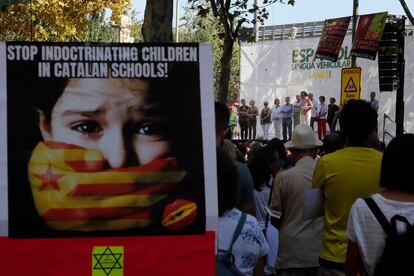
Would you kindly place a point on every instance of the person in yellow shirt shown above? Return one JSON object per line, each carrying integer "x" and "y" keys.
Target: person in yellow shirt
{"x": 343, "y": 176}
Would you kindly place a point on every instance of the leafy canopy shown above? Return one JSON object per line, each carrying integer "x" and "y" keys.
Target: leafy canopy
{"x": 231, "y": 15}
{"x": 197, "y": 28}
{"x": 55, "y": 20}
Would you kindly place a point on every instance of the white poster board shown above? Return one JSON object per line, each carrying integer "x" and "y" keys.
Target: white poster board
{"x": 202, "y": 58}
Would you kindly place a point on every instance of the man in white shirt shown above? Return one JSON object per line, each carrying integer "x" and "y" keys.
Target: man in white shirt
{"x": 287, "y": 114}
{"x": 300, "y": 240}
{"x": 322, "y": 115}
{"x": 277, "y": 118}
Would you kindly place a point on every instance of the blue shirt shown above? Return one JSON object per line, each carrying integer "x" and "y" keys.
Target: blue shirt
{"x": 287, "y": 111}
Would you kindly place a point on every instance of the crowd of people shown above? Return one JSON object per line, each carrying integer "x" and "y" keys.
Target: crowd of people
{"x": 271, "y": 182}
{"x": 321, "y": 116}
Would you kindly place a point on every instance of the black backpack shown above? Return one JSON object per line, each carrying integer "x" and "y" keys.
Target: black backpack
{"x": 225, "y": 258}
{"x": 397, "y": 257}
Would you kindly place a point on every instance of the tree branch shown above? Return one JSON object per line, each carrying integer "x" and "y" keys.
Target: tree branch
{"x": 230, "y": 19}
{"x": 214, "y": 7}
{"x": 236, "y": 31}
{"x": 222, "y": 5}
{"x": 224, "y": 17}
{"x": 407, "y": 11}
{"x": 227, "y": 7}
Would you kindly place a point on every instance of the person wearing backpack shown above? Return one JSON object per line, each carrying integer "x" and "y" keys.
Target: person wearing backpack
{"x": 240, "y": 240}
{"x": 380, "y": 228}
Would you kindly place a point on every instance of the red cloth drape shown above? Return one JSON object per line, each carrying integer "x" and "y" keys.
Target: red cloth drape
{"x": 149, "y": 255}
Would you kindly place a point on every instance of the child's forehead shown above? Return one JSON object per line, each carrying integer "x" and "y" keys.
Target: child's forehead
{"x": 95, "y": 94}
{"x": 107, "y": 86}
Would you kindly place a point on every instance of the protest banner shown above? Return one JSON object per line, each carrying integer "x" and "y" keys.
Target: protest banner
{"x": 333, "y": 34}
{"x": 368, "y": 35}
{"x": 105, "y": 139}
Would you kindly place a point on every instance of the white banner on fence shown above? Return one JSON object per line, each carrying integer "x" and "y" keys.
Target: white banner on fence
{"x": 281, "y": 68}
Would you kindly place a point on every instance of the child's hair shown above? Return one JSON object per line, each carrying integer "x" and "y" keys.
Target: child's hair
{"x": 227, "y": 182}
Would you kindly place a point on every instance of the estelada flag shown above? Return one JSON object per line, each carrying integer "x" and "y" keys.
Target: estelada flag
{"x": 368, "y": 35}
{"x": 333, "y": 34}
{"x": 73, "y": 190}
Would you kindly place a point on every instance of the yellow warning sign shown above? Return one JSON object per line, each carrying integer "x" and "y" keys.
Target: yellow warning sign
{"x": 350, "y": 84}
{"x": 108, "y": 261}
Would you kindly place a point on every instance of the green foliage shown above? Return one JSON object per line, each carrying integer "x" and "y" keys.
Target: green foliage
{"x": 231, "y": 15}
{"x": 196, "y": 28}
{"x": 98, "y": 29}
{"x": 58, "y": 20}
{"x": 236, "y": 10}
{"x": 136, "y": 27}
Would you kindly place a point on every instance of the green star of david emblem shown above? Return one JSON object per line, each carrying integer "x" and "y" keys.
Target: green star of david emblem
{"x": 108, "y": 261}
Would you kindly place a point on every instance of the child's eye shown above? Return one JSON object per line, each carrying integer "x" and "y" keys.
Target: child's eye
{"x": 87, "y": 127}
{"x": 150, "y": 129}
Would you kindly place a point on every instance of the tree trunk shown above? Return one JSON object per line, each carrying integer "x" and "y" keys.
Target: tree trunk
{"x": 157, "y": 26}
{"x": 407, "y": 11}
{"x": 225, "y": 71}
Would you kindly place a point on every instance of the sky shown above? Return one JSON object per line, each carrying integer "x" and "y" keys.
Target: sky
{"x": 312, "y": 10}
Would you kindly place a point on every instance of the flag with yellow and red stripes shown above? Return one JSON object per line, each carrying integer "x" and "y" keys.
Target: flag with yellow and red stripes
{"x": 73, "y": 189}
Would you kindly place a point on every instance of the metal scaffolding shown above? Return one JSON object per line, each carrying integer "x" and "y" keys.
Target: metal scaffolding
{"x": 304, "y": 30}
